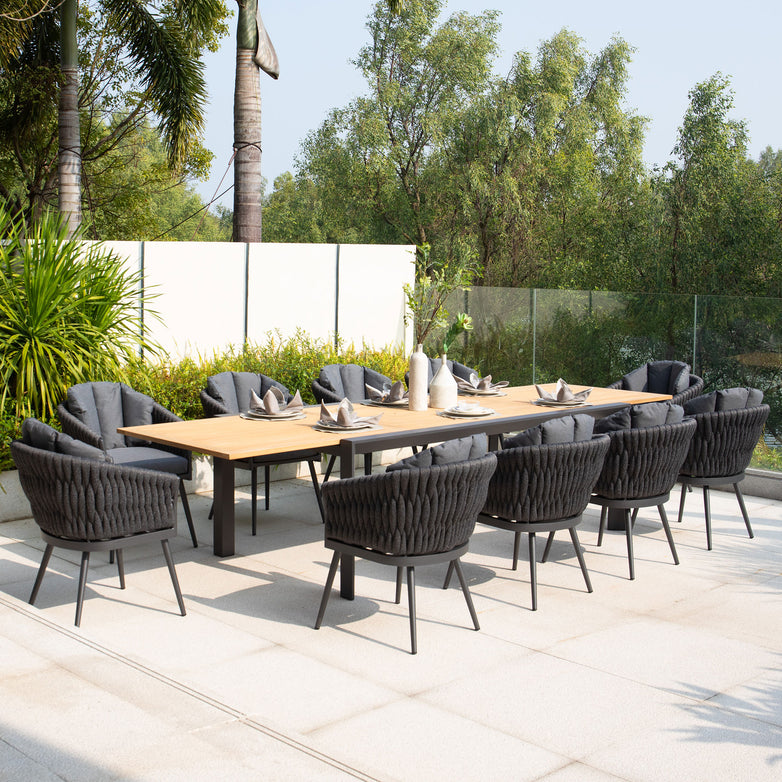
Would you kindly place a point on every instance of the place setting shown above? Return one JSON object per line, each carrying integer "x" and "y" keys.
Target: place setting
{"x": 466, "y": 410}
{"x": 562, "y": 396}
{"x": 273, "y": 407}
{"x": 394, "y": 395}
{"x": 480, "y": 386}
{"x": 345, "y": 419}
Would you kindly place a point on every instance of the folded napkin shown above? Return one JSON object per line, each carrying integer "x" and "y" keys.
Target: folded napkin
{"x": 273, "y": 402}
{"x": 346, "y": 415}
{"x": 394, "y": 393}
{"x": 562, "y": 393}
{"x": 476, "y": 383}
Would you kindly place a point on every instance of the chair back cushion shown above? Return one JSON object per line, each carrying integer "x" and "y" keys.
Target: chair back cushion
{"x": 568, "y": 429}
{"x": 449, "y": 452}
{"x": 40, "y": 435}
{"x": 640, "y": 417}
{"x": 658, "y": 377}
{"x": 724, "y": 399}
{"x": 350, "y": 380}
{"x": 232, "y": 389}
{"x": 103, "y": 407}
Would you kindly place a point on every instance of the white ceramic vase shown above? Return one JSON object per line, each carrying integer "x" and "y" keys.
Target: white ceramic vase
{"x": 443, "y": 391}
{"x": 417, "y": 380}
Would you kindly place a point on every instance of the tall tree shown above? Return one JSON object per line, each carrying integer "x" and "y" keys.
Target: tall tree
{"x": 163, "y": 53}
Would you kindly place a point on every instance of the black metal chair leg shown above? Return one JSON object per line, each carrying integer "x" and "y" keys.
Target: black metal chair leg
{"x": 707, "y": 514}
{"x": 254, "y": 500}
{"x": 172, "y": 572}
{"x": 458, "y": 567}
{"x": 47, "y": 555}
{"x": 448, "y": 575}
{"x": 329, "y": 467}
{"x": 316, "y": 487}
{"x": 121, "y": 568}
{"x": 547, "y": 550}
{"x": 682, "y": 498}
{"x": 580, "y": 555}
{"x": 188, "y": 515}
{"x": 601, "y": 530}
{"x": 367, "y": 464}
{"x": 667, "y": 528}
{"x": 411, "y": 603}
{"x": 267, "y": 479}
{"x": 85, "y": 563}
{"x": 111, "y": 557}
{"x": 516, "y": 542}
{"x": 327, "y": 589}
{"x": 398, "y": 596}
{"x": 629, "y": 535}
{"x": 740, "y": 498}
{"x": 533, "y": 571}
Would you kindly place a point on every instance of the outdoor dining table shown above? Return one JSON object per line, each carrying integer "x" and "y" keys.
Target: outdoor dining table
{"x": 227, "y": 438}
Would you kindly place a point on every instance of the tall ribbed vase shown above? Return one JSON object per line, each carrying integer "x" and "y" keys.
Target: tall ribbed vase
{"x": 417, "y": 380}
{"x": 443, "y": 391}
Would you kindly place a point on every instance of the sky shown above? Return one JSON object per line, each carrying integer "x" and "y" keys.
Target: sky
{"x": 677, "y": 45}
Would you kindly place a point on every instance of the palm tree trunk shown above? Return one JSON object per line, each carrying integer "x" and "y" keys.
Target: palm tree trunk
{"x": 248, "y": 188}
{"x": 69, "y": 163}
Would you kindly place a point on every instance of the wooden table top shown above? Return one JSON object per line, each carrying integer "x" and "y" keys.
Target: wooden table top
{"x": 233, "y": 437}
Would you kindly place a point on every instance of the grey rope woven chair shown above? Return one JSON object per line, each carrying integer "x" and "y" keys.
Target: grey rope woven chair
{"x": 406, "y": 518}
{"x": 92, "y": 413}
{"x": 720, "y": 452}
{"x": 640, "y": 469}
{"x": 88, "y": 505}
{"x": 228, "y": 393}
{"x": 663, "y": 377}
{"x": 543, "y": 488}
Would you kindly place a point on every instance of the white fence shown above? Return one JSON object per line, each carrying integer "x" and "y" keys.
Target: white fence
{"x": 210, "y": 295}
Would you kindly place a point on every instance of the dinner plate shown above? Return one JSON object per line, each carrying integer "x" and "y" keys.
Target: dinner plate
{"x": 284, "y": 416}
{"x": 325, "y": 427}
{"x": 379, "y": 403}
{"x": 555, "y": 403}
{"x": 467, "y": 412}
{"x": 479, "y": 392}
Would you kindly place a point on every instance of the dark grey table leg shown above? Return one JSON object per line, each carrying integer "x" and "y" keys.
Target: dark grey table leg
{"x": 224, "y": 537}
{"x": 347, "y": 566}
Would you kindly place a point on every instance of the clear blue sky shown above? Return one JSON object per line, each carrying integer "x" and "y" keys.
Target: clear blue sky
{"x": 678, "y": 44}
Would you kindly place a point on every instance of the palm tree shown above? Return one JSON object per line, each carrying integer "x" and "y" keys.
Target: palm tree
{"x": 254, "y": 50}
{"x": 163, "y": 54}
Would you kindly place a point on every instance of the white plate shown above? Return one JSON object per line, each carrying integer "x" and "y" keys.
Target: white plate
{"x": 478, "y": 392}
{"x": 474, "y": 411}
{"x": 378, "y": 403}
{"x": 284, "y": 416}
{"x": 554, "y": 403}
{"x": 326, "y": 427}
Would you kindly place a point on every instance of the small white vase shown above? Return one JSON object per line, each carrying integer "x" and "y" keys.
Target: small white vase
{"x": 417, "y": 380}
{"x": 443, "y": 391}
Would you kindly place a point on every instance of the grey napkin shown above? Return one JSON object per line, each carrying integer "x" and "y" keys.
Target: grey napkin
{"x": 273, "y": 402}
{"x": 562, "y": 393}
{"x": 476, "y": 383}
{"x": 346, "y": 415}
{"x": 394, "y": 393}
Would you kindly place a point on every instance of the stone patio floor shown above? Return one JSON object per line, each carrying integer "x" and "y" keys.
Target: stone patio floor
{"x": 674, "y": 676}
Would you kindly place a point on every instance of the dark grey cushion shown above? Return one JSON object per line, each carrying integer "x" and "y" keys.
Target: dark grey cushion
{"x": 568, "y": 429}
{"x": 724, "y": 399}
{"x": 232, "y": 389}
{"x": 149, "y": 459}
{"x": 449, "y": 452}
{"x": 705, "y": 403}
{"x": 67, "y": 445}
{"x": 99, "y": 407}
{"x": 221, "y": 388}
{"x": 39, "y": 435}
{"x": 635, "y": 380}
{"x": 650, "y": 414}
{"x": 667, "y": 377}
{"x": 614, "y": 422}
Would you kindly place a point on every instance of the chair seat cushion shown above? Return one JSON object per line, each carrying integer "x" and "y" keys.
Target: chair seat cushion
{"x": 568, "y": 429}
{"x": 146, "y": 458}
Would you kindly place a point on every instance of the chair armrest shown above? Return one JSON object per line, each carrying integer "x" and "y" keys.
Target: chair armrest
{"x": 211, "y": 406}
{"x": 323, "y": 394}
{"x": 75, "y": 428}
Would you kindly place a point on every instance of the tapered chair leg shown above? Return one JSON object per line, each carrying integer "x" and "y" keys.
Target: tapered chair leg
{"x": 682, "y": 498}
{"x": 398, "y": 596}
{"x": 316, "y": 487}
{"x": 172, "y": 573}
{"x": 516, "y": 543}
{"x": 327, "y": 589}
{"x": 448, "y": 574}
{"x": 329, "y": 467}
{"x": 629, "y": 534}
{"x": 533, "y": 571}
{"x": 601, "y": 530}
{"x": 411, "y": 603}
{"x": 740, "y": 498}
{"x": 47, "y": 555}
{"x": 707, "y": 514}
{"x": 188, "y": 515}
{"x": 85, "y": 564}
{"x": 667, "y": 528}
{"x": 580, "y": 555}
{"x": 547, "y": 550}
{"x": 121, "y": 568}
{"x": 458, "y": 567}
